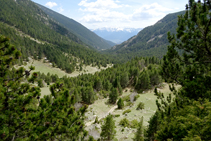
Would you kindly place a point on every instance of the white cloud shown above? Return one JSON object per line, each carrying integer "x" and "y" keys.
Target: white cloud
{"x": 102, "y": 11}
{"x": 114, "y": 13}
{"x": 60, "y": 9}
{"x": 147, "y": 12}
{"x": 51, "y": 4}
{"x": 100, "y": 4}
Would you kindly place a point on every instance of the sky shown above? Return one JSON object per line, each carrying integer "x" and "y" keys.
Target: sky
{"x": 95, "y": 14}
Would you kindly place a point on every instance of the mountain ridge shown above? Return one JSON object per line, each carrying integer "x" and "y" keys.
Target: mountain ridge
{"x": 116, "y": 35}
{"x": 78, "y": 29}
{"x": 150, "y": 41}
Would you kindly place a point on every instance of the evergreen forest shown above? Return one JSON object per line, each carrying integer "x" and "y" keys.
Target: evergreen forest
{"x": 176, "y": 52}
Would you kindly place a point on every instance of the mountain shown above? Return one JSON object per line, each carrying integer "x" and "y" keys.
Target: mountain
{"x": 78, "y": 29}
{"x": 116, "y": 35}
{"x": 37, "y": 35}
{"x": 151, "y": 41}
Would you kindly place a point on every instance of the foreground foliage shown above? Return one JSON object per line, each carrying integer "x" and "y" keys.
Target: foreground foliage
{"x": 108, "y": 129}
{"x": 26, "y": 116}
{"x": 188, "y": 116}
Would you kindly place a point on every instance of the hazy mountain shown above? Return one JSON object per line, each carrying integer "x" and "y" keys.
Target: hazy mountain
{"x": 151, "y": 41}
{"x": 78, "y": 29}
{"x": 116, "y": 35}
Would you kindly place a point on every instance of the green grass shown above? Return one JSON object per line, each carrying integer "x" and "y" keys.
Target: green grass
{"x": 45, "y": 91}
{"x": 46, "y": 67}
{"x": 147, "y": 98}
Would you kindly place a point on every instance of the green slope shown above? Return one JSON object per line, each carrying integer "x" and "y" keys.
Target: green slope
{"x": 37, "y": 35}
{"x": 151, "y": 41}
{"x": 78, "y": 29}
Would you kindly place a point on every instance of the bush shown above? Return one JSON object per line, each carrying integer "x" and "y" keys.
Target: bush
{"x": 126, "y": 98}
{"x": 124, "y": 122}
{"x": 129, "y": 104}
{"x": 126, "y": 111}
{"x": 134, "y": 123}
{"x": 136, "y": 97}
{"x": 116, "y": 115}
{"x": 140, "y": 106}
{"x": 96, "y": 120}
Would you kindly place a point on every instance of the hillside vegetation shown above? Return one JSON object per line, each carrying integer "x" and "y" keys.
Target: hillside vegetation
{"x": 37, "y": 35}
{"x": 150, "y": 41}
{"x": 82, "y": 32}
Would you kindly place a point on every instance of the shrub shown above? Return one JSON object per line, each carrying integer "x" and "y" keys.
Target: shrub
{"x": 124, "y": 122}
{"x": 129, "y": 104}
{"x": 126, "y": 98}
{"x": 96, "y": 120}
{"x": 136, "y": 97}
{"x": 116, "y": 115}
{"x": 140, "y": 106}
{"x": 134, "y": 123}
{"x": 126, "y": 111}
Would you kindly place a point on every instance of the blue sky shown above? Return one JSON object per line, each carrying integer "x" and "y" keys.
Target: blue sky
{"x": 115, "y": 13}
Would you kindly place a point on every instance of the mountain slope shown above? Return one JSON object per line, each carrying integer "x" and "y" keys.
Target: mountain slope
{"x": 151, "y": 41}
{"x": 38, "y": 36}
{"x": 82, "y": 32}
{"x": 116, "y": 35}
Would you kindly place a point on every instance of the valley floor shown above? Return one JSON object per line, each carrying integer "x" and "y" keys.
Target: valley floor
{"x": 101, "y": 109}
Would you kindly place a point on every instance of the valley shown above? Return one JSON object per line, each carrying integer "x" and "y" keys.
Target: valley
{"x": 101, "y": 109}
{"x": 61, "y": 81}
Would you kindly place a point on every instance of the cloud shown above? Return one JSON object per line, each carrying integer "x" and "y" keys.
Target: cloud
{"x": 100, "y": 4}
{"x": 60, "y": 9}
{"x": 51, "y": 4}
{"x": 113, "y": 12}
{"x": 102, "y": 11}
{"x": 147, "y": 12}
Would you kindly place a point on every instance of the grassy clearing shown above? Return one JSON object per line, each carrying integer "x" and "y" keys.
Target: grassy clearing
{"x": 47, "y": 68}
{"x": 148, "y": 98}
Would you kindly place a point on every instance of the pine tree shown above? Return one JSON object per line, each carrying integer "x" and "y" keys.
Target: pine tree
{"x": 98, "y": 84}
{"x": 108, "y": 129}
{"x": 120, "y": 103}
{"x": 139, "y": 135}
{"x": 191, "y": 71}
{"x": 143, "y": 81}
{"x": 124, "y": 79}
{"x": 26, "y": 116}
{"x": 113, "y": 96}
{"x": 193, "y": 38}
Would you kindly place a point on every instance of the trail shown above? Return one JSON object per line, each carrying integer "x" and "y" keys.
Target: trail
{"x": 99, "y": 118}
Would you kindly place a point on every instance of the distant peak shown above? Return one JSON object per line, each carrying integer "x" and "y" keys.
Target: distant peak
{"x": 116, "y": 29}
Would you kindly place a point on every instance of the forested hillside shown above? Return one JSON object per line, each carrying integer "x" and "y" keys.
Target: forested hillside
{"x": 151, "y": 41}
{"x": 37, "y": 35}
{"x": 140, "y": 73}
{"x": 82, "y": 32}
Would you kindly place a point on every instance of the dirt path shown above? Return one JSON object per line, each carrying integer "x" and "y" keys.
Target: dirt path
{"x": 99, "y": 118}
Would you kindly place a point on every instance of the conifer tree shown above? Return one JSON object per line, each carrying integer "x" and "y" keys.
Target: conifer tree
{"x": 26, "y": 116}
{"x": 124, "y": 80}
{"x": 139, "y": 135}
{"x": 113, "y": 96}
{"x": 193, "y": 38}
{"x": 108, "y": 129}
{"x": 120, "y": 103}
{"x": 186, "y": 117}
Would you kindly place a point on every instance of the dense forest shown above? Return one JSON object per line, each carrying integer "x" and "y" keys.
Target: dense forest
{"x": 185, "y": 114}
{"x": 35, "y": 34}
{"x": 82, "y": 32}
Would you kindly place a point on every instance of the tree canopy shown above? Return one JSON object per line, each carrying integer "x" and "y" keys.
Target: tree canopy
{"x": 24, "y": 115}
{"x": 188, "y": 116}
